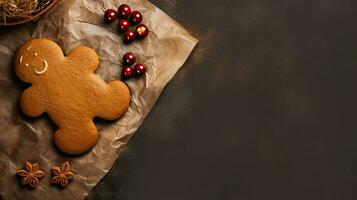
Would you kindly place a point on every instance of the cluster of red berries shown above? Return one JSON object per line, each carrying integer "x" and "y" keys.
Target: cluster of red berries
{"x": 128, "y": 71}
{"x": 127, "y": 18}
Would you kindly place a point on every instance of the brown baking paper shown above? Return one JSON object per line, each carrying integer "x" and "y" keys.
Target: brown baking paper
{"x": 73, "y": 23}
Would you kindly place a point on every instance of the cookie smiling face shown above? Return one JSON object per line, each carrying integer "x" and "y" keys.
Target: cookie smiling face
{"x": 32, "y": 62}
{"x": 45, "y": 63}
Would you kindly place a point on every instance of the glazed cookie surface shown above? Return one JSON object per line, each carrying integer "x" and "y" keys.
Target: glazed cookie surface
{"x": 66, "y": 88}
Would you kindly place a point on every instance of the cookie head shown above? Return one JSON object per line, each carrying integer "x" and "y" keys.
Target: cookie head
{"x": 34, "y": 59}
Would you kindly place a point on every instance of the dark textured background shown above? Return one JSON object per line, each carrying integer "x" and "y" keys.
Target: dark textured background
{"x": 264, "y": 108}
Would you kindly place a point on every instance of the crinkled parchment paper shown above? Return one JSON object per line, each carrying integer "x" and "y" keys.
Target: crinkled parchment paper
{"x": 73, "y": 23}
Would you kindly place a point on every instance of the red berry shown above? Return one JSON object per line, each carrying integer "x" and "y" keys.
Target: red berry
{"x": 127, "y": 72}
{"x": 129, "y": 36}
{"x": 110, "y": 15}
{"x": 129, "y": 58}
{"x": 136, "y": 17}
{"x": 124, "y": 11}
{"x": 139, "y": 69}
{"x": 123, "y": 25}
{"x": 141, "y": 31}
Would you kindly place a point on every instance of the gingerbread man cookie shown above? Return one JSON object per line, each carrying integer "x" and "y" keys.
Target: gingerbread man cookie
{"x": 66, "y": 88}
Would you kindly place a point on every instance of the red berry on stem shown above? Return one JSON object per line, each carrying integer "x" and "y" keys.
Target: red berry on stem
{"x": 136, "y": 17}
{"x": 123, "y": 25}
{"x": 129, "y": 58}
{"x": 110, "y": 15}
{"x": 127, "y": 72}
{"x": 124, "y": 11}
{"x": 139, "y": 69}
{"x": 129, "y": 36}
{"x": 141, "y": 31}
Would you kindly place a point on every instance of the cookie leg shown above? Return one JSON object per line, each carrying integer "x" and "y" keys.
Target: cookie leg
{"x": 76, "y": 139}
{"x": 116, "y": 101}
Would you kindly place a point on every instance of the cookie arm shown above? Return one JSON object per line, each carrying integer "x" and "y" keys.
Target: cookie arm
{"x": 84, "y": 57}
{"x": 114, "y": 102}
{"x": 32, "y": 103}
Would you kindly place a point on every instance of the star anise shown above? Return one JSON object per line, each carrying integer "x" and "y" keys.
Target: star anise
{"x": 62, "y": 175}
{"x": 30, "y": 174}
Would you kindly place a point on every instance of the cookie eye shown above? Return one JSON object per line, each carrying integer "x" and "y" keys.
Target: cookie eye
{"x": 26, "y": 64}
{"x": 35, "y": 54}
